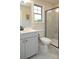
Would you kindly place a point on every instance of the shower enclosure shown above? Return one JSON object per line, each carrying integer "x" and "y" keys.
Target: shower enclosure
{"x": 52, "y": 25}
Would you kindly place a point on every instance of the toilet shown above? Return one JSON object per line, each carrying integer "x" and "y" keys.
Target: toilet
{"x": 46, "y": 42}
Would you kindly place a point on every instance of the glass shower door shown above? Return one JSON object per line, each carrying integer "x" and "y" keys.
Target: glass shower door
{"x": 52, "y": 23}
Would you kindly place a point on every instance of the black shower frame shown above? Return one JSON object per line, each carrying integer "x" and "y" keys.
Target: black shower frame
{"x": 46, "y": 25}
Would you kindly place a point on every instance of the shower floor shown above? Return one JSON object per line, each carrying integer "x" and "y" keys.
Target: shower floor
{"x": 54, "y": 42}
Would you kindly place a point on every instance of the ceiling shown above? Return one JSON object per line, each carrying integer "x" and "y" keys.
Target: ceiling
{"x": 51, "y": 1}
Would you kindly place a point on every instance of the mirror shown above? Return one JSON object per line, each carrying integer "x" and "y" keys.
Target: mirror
{"x": 25, "y": 14}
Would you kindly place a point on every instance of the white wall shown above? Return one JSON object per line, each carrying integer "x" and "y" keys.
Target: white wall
{"x": 41, "y": 26}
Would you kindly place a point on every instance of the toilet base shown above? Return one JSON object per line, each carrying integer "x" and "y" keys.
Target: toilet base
{"x": 46, "y": 42}
{"x": 45, "y": 48}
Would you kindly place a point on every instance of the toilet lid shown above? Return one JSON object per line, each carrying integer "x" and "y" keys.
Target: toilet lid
{"x": 45, "y": 40}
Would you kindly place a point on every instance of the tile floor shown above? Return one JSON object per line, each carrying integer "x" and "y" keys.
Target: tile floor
{"x": 53, "y": 53}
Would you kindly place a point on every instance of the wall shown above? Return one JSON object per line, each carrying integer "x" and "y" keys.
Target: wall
{"x": 37, "y": 26}
{"x": 41, "y": 26}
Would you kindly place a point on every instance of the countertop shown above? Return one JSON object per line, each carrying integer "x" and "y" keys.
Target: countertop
{"x": 28, "y": 30}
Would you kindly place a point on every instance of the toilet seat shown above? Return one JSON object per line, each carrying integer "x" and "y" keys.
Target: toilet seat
{"x": 45, "y": 40}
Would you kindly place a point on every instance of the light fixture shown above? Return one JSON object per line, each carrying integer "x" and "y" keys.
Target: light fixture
{"x": 24, "y": 2}
{"x": 57, "y": 10}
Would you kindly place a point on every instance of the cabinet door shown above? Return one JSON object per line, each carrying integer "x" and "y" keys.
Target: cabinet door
{"x": 27, "y": 48}
{"x": 22, "y": 49}
{"x": 31, "y": 46}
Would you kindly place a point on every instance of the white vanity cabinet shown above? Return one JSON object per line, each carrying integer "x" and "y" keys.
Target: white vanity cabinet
{"x": 28, "y": 44}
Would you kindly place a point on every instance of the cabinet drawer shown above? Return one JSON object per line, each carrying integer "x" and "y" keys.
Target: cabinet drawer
{"x": 28, "y": 35}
